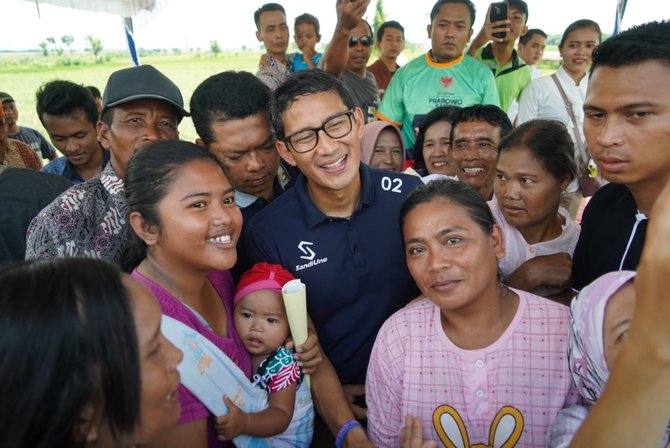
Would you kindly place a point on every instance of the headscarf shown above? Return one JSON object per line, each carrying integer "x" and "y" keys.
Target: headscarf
{"x": 262, "y": 276}
{"x": 371, "y": 133}
{"x": 586, "y": 350}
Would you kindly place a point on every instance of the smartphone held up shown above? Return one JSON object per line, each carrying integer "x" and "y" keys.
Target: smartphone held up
{"x": 498, "y": 12}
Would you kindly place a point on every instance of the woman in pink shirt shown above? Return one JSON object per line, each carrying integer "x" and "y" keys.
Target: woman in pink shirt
{"x": 186, "y": 227}
{"x": 475, "y": 360}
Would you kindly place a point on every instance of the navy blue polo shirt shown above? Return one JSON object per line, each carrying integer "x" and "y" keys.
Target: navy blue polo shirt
{"x": 354, "y": 269}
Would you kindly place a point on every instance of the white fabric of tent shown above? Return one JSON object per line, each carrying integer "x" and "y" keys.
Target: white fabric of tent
{"x": 123, "y": 8}
{"x": 140, "y": 10}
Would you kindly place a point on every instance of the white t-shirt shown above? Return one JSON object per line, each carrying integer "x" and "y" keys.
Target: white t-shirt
{"x": 518, "y": 251}
{"x": 541, "y": 99}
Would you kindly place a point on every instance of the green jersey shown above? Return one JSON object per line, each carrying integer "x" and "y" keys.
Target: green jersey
{"x": 422, "y": 85}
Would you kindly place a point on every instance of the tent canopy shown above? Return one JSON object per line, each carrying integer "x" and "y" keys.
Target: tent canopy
{"x": 123, "y": 8}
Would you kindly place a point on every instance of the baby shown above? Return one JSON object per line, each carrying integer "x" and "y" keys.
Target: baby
{"x": 261, "y": 323}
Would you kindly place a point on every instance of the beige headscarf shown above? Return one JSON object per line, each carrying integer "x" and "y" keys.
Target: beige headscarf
{"x": 371, "y": 133}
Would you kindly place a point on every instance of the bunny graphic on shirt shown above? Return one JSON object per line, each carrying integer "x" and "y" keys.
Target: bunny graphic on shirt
{"x": 505, "y": 431}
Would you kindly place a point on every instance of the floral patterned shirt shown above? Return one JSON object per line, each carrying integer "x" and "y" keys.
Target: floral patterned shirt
{"x": 277, "y": 371}
{"x": 89, "y": 220}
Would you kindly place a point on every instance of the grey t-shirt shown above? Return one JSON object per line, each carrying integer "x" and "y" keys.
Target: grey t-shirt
{"x": 364, "y": 91}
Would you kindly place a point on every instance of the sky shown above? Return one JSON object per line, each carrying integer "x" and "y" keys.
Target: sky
{"x": 194, "y": 23}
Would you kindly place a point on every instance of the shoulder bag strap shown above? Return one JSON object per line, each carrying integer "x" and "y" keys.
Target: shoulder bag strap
{"x": 568, "y": 107}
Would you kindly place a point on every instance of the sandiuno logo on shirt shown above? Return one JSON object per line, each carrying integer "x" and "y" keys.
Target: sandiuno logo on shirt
{"x": 308, "y": 254}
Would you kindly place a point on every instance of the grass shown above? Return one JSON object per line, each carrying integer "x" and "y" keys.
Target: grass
{"x": 22, "y": 74}
{"x": 21, "y": 80}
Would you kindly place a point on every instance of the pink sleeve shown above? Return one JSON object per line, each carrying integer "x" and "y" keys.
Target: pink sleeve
{"x": 384, "y": 385}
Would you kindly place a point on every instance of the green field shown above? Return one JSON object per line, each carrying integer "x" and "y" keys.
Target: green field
{"x": 21, "y": 75}
{"x": 21, "y": 80}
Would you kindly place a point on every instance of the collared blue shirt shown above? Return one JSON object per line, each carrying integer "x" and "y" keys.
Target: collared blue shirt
{"x": 63, "y": 167}
{"x": 354, "y": 269}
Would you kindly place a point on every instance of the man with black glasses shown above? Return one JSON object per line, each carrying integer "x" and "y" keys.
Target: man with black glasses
{"x": 348, "y": 54}
{"x": 336, "y": 229}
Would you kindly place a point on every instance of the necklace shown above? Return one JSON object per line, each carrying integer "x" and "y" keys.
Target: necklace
{"x": 437, "y": 60}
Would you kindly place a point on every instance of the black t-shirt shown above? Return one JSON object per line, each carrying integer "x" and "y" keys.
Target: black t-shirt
{"x": 607, "y": 238}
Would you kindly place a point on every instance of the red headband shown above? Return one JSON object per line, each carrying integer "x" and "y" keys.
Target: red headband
{"x": 262, "y": 276}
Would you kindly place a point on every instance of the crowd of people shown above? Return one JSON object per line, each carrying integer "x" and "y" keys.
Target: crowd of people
{"x": 484, "y": 249}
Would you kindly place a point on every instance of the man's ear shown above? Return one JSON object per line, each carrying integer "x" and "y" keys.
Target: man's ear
{"x": 429, "y": 27}
{"x": 318, "y": 38}
{"x": 285, "y": 153}
{"x": 199, "y": 142}
{"x": 359, "y": 122}
{"x": 258, "y": 36}
{"x": 145, "y": 231}
{"x": 103, "y": 134}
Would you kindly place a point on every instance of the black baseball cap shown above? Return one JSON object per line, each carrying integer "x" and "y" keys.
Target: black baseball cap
{"x": 141, "y": 82}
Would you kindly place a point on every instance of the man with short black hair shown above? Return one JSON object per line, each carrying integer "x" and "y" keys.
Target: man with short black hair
{"x": 511, "y": 73}
{"x": 390, "y": 43}
{"x": 230, "y": 114}
{"x": 273, "y": 31}
{"x": 627, "y": 128}
{"x": 531, "y": 49}
{"x": 69, "y": 114}
{"x": 140, "y": 106}
{"x": 29, "y": 136}
{"x": 336, "y": 228}
{"x": 476, "y": 132}
{"x": 444, "y": 76}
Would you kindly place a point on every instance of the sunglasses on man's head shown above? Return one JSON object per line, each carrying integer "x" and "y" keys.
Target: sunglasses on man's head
{"x": 366, "y": 41}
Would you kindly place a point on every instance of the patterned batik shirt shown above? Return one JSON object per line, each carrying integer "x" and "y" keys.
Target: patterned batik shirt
{"x": 274, "y": 72}
{"x": 89, "y": 220}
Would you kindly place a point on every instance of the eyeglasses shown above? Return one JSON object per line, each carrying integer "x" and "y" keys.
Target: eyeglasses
{"x": 336, "y": 126}
{"x": 366, "y": 41}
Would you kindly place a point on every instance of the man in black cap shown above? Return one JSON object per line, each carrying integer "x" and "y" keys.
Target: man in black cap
{"x": 140, "y": 106}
